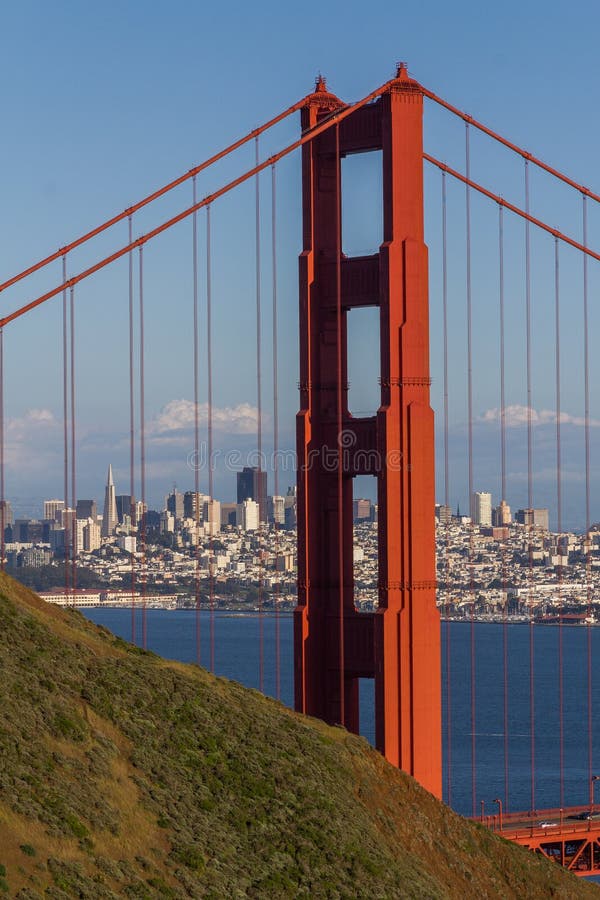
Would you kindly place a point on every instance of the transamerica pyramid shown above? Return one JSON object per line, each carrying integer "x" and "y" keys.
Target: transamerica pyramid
{"x": 109, "y": 518}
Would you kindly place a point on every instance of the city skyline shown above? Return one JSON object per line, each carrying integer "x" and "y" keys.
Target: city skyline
{"x": 35, "y": 224}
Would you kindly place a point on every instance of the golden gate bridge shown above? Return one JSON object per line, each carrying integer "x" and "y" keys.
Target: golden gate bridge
{"x": 399, "y": 644}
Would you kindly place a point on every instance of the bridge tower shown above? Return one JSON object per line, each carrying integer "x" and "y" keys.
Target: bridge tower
{"x": 399, "y": 644}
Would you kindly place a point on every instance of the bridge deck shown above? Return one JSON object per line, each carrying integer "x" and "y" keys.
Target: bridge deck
{"x": 569, "y": 836}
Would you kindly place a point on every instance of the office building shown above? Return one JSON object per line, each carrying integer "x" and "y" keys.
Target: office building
{"x": 193, "y": 503}
{"x": 86, "y": 509}
{"x": 6, "y": 508}
{"x": 481, "y": 508}
{"x": 252, "y": 485}
{"x": 443, "y": 513}
{"x": 361, "y": 510}
{"x": 167, "y": 522}
{"x": 128, "y": 543}
{"x": 538, "y": 518}
{"x": 228, "y": 514}
{"x": 501, "y": 515}
{"x": 248, "y": 513}
{"x": 126, "y": 506}
{"x": 109, "y": 518}
{"x": 276, "y": 510}
{"x": 53, "y": 508}
{"x": 174, "y": 504}
{"x": 211, "y": 516}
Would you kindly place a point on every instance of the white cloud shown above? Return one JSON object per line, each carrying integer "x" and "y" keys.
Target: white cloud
{"x": 176, "y": 419}
{"x": 517, "y": 415}
{"x": 31, "y": 439}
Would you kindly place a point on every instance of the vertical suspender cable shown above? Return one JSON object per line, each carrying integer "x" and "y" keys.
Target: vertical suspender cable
{"x": 340, "y": 474}
{"x": 66, "y": 523}
{"x": 530, "y": 486}
{"x": 132, "y": 510}
{"x": 210, "y": 432}
{"x": 588, "y": 556}
{"x": 261, "y": 498}
{"x": 2, "y": 460}
{"x": 73, "y": 482}
{"x": 561, "y": 734}
{"x": 470, "y": 462}
{"x": 196, "y": 505}
{"x": 144, "y": 573}
{"x": 275, "y": 428}
{"x": 446, "y": 495}
{"x": 503, "y": 498}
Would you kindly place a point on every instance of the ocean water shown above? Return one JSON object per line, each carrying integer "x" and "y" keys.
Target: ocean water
{"x": 172, "y": 634}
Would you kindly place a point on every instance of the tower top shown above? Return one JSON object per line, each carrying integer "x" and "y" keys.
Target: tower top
{"x": 404, "y": 82}
{"x": 322, "y": 97}
{"x": 109, "y": 479}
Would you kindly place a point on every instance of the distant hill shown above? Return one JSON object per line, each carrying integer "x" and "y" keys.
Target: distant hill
{"x": 123, "y": 775}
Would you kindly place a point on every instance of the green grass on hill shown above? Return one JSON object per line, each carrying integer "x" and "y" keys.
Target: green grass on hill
{"x": 123, "y": 775}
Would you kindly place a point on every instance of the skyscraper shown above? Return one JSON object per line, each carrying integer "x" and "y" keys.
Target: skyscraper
{"x": 247, "y": 517}
{"x": 52, "y": 509}
{"x": 174, "y": 503}
{"x": 109, "y": 518}
{"x": 501, "y": 515}
{"x": 126, "y": 507}
{"x": 252, "y": 485}
{"x": 86, "y": 509}
{"x": 481, "y": 508}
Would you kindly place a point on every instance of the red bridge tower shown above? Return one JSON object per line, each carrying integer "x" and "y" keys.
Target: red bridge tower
{"x": 399, "y": 645}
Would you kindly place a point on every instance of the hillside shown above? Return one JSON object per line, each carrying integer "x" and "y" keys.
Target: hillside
{"x": 123, "y": 775}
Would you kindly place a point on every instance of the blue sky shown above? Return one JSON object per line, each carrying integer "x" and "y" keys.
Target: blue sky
{"x": 104, "y": 102}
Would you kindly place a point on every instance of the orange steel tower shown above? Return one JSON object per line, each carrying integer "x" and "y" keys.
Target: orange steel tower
{"x": 399, "y": 644}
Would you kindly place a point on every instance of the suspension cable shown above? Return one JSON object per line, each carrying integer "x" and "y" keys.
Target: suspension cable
{"x": 261, "y": 498}
{"x": 132, "y": 506}
{"x": 503, "y": 500}
{"x": 470, "y": 463}
{"x": 65, "y": 348}
{"x": 63, "y": 251}
{"x": 73, "y": 465}
{"x": 446, "y": 494}
{"x": 339, "y": 416}
{"x": 2, "y": 458}
{"x": 144, "y": 572}
{"x": 528, "y": 157}
{"x": 522, "y": 213}
{"x": 588, "y": 556}
{"x": 561, "y": 731}
{"x": 275, "y": 430}
{"x": 335, "y": 118}
{"x": 196, "y": 505}
{"x": 530, "y": 486}
{"x": 210, "y": 434}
